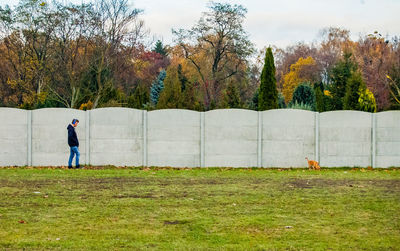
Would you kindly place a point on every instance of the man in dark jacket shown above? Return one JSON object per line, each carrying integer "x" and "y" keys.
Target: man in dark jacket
{"x": 73, "y": 143}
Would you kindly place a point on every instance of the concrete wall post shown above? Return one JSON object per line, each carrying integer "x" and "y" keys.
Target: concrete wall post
{"x": 144, "y": 138}
{"x": 202, "y": 139}
{"x": 29, "y": 138}
{"x": 373, "y": 138}
{"x": 259, "y": 140}
{"x": 317, "y": 137}
{"x": 87, "y": 136}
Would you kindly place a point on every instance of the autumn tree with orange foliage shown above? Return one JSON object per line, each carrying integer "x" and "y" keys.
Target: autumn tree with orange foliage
{"x": 300, "y": 72}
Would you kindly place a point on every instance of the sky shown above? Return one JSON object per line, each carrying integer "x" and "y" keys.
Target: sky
{"x": 275, "y": 22}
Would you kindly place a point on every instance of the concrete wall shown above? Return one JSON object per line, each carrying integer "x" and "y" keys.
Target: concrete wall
{"x": 13, "y": 137}
{"x": 173, "y": 138}
{"x": 50, "y": 136}
{"x": 345, "y": 138}
{"x": 231, "y": 138}
{"x": 387, "y": 139}
{"x": 288, "y": 137}
{"x": 116, "y": 137}
{"x": 219, "y": 138}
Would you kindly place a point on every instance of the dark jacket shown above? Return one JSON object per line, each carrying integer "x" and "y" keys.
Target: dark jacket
{"x": 72, "y": 138}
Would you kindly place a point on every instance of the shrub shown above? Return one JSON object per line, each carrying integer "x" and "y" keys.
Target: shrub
{"x": 366, "y": 101}
{"x": 304, "y": 94}
{"x": 300, "y": 106}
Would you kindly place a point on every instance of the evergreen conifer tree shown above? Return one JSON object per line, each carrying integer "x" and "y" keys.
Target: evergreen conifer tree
{"x": 339, "y": 76}
{"x": 319, "y": 97}
{"x": 139, "y": 98}
{"x": 171, "y": 97}
{"x": 268, "y": 94}
{"x": 254, "y": 100}
{"x": 281, "y": 100}
{"x": 304, "y": 94}
{"x": 160, "y": 49}
{"x": 232, "y": 97}
{"x": 182, "y": 78}
{"x": 156, "y": 87}
{"x": 354, "y": 84}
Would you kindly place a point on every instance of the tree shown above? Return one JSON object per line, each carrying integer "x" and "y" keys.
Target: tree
{"x": 182, "y": 78}
{"x": 281, "y": 100}
{"x": 394, "y": 85}
{"x": 334, "y": 42}
{"x": 284, "y": 58}
{"x": 268, "y": 94}
{"x": 157, "y": 87}
{"x": 319, "y": 97}
{"x": 232, "y": 97}
{"x": 300, "y": 106}
{"x": 30, "y": 27}
{"x": 375, "y": 56}
{"x": 160, "y": 49}
{"x": 366, "y": 101}
{"x": 171, "y": 96}
{"x": 217, "y": 46}
{"x": 304, "y": 94}
{"x": 355, "y": 85}
{"x": 71, "y": 52}
{"x": 139, "y": 98}
{"x": 190, "y": 99}
{"x": 300, "y": 72}
{"x": 117, "y": 26}
{"x": 339, "y": 77}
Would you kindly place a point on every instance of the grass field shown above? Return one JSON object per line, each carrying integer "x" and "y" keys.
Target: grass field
{"x": 197, "y": 209}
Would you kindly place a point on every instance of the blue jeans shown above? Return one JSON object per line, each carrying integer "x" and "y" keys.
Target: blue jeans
{"x": 74, "y": 150}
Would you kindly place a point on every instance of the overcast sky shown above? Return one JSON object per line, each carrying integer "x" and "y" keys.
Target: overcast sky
{"x": 276, "y": 22}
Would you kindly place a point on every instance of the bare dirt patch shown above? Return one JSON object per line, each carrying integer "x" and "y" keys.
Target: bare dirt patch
{"x": 390, "y": 185}
{"x": 175, "y": 222}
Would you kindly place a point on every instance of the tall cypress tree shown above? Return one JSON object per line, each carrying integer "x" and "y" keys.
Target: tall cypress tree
{"x": 319, "y": 97}
{"x": 268, "y": 94}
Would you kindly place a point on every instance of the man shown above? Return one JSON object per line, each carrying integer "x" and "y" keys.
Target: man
{"x": 73, "y": 143}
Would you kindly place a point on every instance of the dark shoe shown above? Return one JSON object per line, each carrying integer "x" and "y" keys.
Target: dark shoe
{"x": 70, "y": 167}
{"x": 79, "y": 167}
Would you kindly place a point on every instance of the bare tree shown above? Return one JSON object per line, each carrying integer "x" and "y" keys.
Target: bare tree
{"x": 117, "y": 26}
{"x": 218, "y": 39}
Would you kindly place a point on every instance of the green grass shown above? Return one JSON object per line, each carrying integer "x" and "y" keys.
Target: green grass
{"x": 196, "y": 209}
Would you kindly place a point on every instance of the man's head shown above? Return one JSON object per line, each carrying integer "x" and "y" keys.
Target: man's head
{"x": 75, "y": 122}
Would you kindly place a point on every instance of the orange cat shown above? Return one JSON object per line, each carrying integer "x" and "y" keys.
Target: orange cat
{"x": 312, "y": 164}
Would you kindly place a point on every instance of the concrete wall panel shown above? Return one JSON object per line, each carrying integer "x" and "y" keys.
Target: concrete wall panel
{"x": 13, "y": 137}
{"x": 50, "y": 136}
{"x": 388, "y": 139}
{"x": 345, "y": 138}
{"x": 173, "y": 138}
{"x": 231, "y": 138}
{"x": 116, "y": 137}
{"x": 288, "y": 137}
